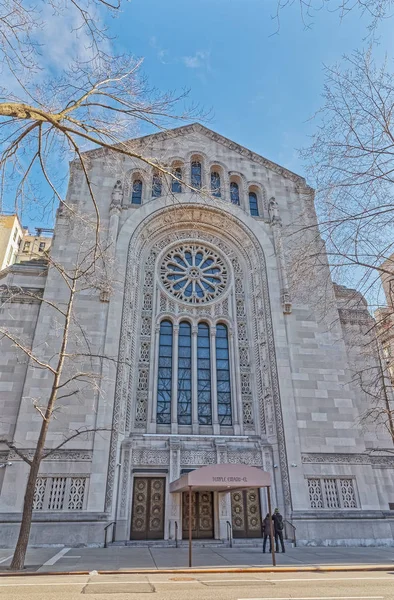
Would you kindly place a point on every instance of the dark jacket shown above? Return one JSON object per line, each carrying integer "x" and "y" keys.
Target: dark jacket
{"x": 278, "y": 521}
{"x": 266, "y": 526}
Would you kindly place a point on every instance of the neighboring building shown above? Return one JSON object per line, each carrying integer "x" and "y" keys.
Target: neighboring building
{"x": 219, "y": 361}
{"x": 11, "y": 234}
{"x": 34, "y": 247}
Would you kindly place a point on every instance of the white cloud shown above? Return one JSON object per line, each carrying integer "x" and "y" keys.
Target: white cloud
{"x": 198, "y": 61}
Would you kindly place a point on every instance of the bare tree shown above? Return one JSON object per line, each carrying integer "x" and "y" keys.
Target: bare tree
{"x": 374, "y": 10}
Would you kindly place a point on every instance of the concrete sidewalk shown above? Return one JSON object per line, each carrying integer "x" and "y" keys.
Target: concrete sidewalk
{"x": 123, "y": 558}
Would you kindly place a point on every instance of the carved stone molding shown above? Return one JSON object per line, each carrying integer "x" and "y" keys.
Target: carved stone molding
{"x": 146, "y": 456}
{"x": 58, "y": 455}
{"x": 348, "y": 459}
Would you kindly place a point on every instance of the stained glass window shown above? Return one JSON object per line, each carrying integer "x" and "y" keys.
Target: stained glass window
{"x": 164, "y": 384}
{"x": 136, "y": 196}
{"x": 215, "y": 184}
{"x": 223, "y": 375}
{"x": 254, "y": 209}
{"x": 184, "y": 374}
{"x": 234, "y": 192}
{"x": 176, "y": 186}
{"x": 196, "y": 174}
{"x": 204, "y": 375}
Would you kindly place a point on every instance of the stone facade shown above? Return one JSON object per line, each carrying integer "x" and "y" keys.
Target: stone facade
{"x": 293, "y": 410}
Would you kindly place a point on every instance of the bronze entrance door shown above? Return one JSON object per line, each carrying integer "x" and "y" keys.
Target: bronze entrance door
{"x": 202, "y": 515}
{"x": 147, "y": 519}
{"x": 246, "y": 513}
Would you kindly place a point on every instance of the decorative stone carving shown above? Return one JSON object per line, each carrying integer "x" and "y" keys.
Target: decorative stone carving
{"x": 198, "y": 457}
{"x": 349, "y": 459}
{"x": 58, "y": 455}
{"x": 150, "y": 457}
{"x": 249, "y": 457}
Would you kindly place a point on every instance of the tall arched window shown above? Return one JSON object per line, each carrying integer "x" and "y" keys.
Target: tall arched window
{"x": 156, "y": 185}
{"x": 164, "y": 380}
{"x": 234, "y": 192}
{"x": 223, "y": 375}
{"x": 254, "y": 208}
{"x": 176, "y": 186}
{"x": 204, "y": 375}
{"x": 136, "y": 195}
{"x": 196, "y": 179}
{"x": 215, "y": 184}
{"x": 185, "y": 374}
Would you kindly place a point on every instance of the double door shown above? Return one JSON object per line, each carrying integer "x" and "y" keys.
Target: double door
{"x": 147, "y": 519}
{"x": 246, "y": 513}
{"x": 202, "y": 515}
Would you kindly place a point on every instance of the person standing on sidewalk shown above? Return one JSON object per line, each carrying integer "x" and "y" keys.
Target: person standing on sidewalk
{"x": 278, "y": 529}
{"x": 266, "y": 532}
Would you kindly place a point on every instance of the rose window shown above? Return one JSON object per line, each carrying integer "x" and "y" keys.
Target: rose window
{"x": 193, "y": 273}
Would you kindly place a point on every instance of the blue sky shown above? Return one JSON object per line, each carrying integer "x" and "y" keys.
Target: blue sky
{"x": 262, "y": 86}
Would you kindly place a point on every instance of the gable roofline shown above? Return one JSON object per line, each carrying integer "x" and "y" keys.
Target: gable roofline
{"x": 217, "y": 137}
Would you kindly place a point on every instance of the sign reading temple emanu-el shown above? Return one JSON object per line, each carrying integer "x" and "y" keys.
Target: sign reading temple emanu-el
{"x": 222, "y": 477}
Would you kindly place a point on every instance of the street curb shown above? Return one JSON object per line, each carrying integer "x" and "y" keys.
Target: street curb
{"x": 196, "y": 571}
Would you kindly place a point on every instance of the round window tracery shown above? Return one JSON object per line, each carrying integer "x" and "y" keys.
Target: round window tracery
{"x": 193, "y": 273}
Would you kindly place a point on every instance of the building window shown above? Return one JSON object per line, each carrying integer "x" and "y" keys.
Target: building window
{"x": 176, "y": 186}
{"x": 185, "y": 374}
{"x": 136, "y": 196}
{"x": 15, "y": 234}
{"x": 234, "y": 192}
{"x": 9, "y": 257}
{"x": 26, "y": 247}
{"x": 19, "y": 241}
{"x": 60, "y": 493}
{"x": 215, "y": 184}
{"x": 156, "y": 185}
{"x": 41, "y": 247}
{"x": 196, "y": 179}
{"x": 164, "y": 385}
{"x": 254, "y": 209}
{"x": 332, "y": 492}
{"x": 204, "y": 375}
{"x": 223, "y": 375}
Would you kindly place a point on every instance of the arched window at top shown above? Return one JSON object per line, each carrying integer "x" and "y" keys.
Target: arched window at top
{"x": 136, "y": 195}
{"x": 234, "y": 192}
{"x": 215, "y": 184}
{"x": 176, "y": 186}
{"x": 253, "y": 204}
{"x": 196, "y": 179}
{"x": 156, "y": 185}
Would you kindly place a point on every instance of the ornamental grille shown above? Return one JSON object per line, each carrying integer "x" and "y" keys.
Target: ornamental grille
{"x": 332, "y": 492}
{"x": 60, "y": 493}
{"x": 193, "y": 273}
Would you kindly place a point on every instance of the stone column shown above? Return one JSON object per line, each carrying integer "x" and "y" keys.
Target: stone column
{"x": 152, "y": 407}
{"x": 214, "y": 387}
{"x": 195, "y": 425}
{"x": 174, "y": 393}
{"x": 174, "y": 508}
{"x": 276, "y": 223}
{"x": 124, "y": 495}
{"x": 224, "y": 498}
{"x": 236, "y": 398}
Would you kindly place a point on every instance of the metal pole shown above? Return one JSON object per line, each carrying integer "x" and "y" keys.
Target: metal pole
{"x": 271, "y": 527}
{"x": 190, "y": 526}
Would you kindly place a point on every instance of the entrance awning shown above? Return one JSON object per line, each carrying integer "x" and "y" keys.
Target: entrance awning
{"x": 222, "y": 477}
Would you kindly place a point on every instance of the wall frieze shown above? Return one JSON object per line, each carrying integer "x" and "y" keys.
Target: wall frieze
{"x": 348, "y": 459}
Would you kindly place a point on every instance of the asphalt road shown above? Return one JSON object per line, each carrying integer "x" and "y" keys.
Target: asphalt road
{"x": 236, "y": 586}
